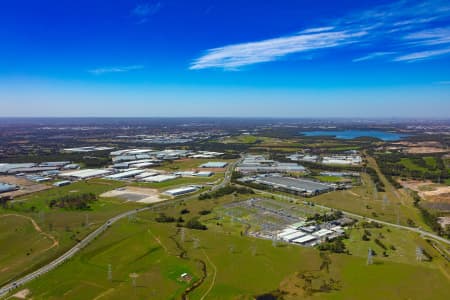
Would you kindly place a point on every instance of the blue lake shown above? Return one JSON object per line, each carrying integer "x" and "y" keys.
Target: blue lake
{"x": 352, "y": 134}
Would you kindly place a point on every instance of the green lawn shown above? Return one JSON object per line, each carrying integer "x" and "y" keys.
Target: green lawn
{"x": 330, "y": 178}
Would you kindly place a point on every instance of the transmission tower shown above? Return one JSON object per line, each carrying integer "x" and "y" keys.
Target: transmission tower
{"x": 385, "y": 201}
{"x": 375, "y": 193}
{"x": 86, "y": 222}
{"x": 369, "y": 257}
{"x": 42, "y": 216}
{"x": 182, "y": 235}
{"x": 196, "y": 243}
{"x": 133, "y": 277}
{"x": 274, "y": 239}
{"x": 419, "y": 254}
{"x": 132, "y": 218}
{"x": 231, "y": 249}
{"x": 109, "y": 272}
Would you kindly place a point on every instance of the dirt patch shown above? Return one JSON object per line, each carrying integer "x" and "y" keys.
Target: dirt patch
{"x": 23, "y": 294}
{"x": 424, "y": 150}
{"x": 429, "y": 191}
{"x": 135, "y": 194}
{"x": 26, "y": 186}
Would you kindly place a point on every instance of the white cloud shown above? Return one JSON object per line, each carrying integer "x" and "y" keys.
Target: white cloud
{"x": 384, "y": 30}
{"x": 235, "y": 56}
{"x": 435, "y": 36}
{"x": 372, "y": 56}
{"x": 100, "y": 71}
{"x": 415, "y": 56}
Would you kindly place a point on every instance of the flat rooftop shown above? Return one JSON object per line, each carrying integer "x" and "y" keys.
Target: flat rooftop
{"x": 294, "y": 183}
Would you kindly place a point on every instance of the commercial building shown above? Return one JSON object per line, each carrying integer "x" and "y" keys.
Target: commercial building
{"x": 62, "y": 183}
{"x": 85, "y": 174}
{"x": 214, "y": 165}
{"x": 159, "y": 178}
{"x": 123, "y": 175}
{"x": 303, "y": 157}
{"x": 181, "y": 191}
{"x": 297, "y": 186}
{"x": 259, "y": 164}
{"x": 342, "y": 160}
{"x": 86, "y": 149}
{"x": 146, "y": 174}
{"x": 5, "y": 187}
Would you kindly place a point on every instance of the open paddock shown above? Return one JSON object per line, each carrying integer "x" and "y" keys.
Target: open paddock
{"x": 135, "y": 194}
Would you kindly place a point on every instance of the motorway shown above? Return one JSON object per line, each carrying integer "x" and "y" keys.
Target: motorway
{"x": 6, "y": 289}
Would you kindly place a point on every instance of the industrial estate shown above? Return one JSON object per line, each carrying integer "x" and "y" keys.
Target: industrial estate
{"x": 135, "y": 217}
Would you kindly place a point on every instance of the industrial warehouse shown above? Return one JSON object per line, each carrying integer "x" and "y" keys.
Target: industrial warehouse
{"x": 259, "y": 164}
{"x": 302, "y": 187}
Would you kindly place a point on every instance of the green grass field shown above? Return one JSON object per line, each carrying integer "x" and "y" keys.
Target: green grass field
{"x": 188, "y": 164}
{"x": 64, "y": 225}
{"x": 179, "y": 182}
{"x": 331, "y": 179}
{"x": 26, "y": 242}
{"x": 237, "y": 267}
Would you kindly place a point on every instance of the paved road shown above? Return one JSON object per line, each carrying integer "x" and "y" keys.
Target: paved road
{"x": 413, "y": 229}
{"x": 4, "y": 290}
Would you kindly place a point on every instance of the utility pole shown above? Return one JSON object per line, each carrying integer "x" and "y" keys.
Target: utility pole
{"x": 133, "y": 277}
{"x": 182, "y": 235}
{"x": 419, "y": 254}
{"x": 385, "y": 201}
{"x": 109, "y": 272}
{"x": 369, "y": 257}
{"x": 274, "y": 239}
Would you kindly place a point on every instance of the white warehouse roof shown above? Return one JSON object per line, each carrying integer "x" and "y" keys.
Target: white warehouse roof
{"x": 86, "y": 173}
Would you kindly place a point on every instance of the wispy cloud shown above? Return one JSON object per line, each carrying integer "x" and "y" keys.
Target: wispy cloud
{"x": 143, "y": 11}
{"x": 234, "y": 56}
{"x": 391, "y": 29}
{"x": 415, "y": 56}
{"x": 373, "y": 56}
{"x": 100, "y": 71}
{"x": 435, "y": 36}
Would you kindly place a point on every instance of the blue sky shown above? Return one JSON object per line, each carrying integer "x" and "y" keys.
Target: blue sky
{"x": 293, "y": 58}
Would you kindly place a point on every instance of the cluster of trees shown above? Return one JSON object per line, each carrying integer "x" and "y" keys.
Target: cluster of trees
{"x": 226, "y": 190}
{"x": 101, "y": 158}
{"x": 431, "y": 219}
{"x": 163, "y": 218}
{"x": 336, "y": 246}
{"x": 366, "y": 236}
{"x": 75, "y": 201}
{"x": 376, "y": 179}
{"x": 391, "y": 165}
{"x": 326, "y": 217}
{"x": 194, "y": 223}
